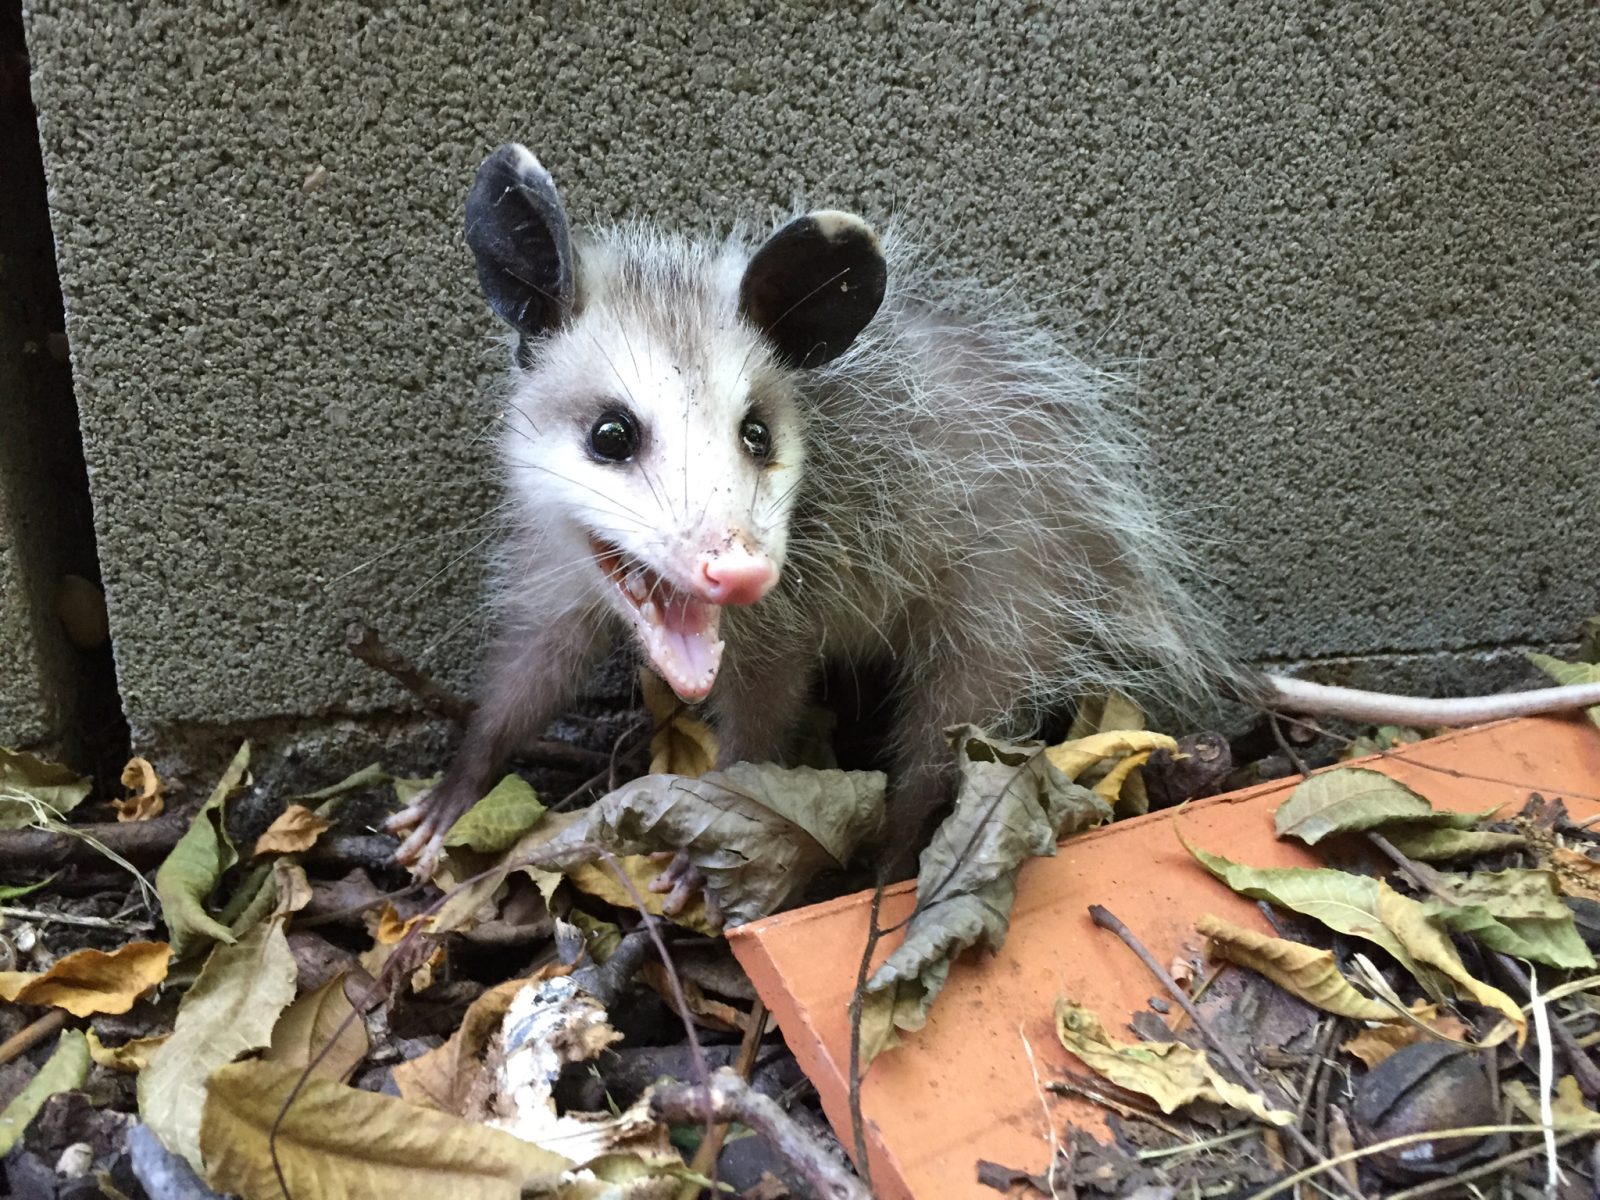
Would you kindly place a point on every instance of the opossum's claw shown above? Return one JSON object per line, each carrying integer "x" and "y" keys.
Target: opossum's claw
{"x": 424, "y": 821}
{"x": 683, "y": 881}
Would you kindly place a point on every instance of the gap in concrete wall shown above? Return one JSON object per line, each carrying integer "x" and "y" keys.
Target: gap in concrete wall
{"x": 41, "y": 451}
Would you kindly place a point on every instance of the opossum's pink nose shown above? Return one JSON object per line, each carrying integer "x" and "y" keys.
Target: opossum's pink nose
{"x": 735, "y": 576}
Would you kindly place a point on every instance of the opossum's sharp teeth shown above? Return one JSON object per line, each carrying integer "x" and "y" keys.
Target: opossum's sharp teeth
{"x": 678, "y": 631}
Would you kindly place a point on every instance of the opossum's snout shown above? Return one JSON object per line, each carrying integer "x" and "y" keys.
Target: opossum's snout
{"x": 735, "y": 576}
{"x": 676, "y": 627}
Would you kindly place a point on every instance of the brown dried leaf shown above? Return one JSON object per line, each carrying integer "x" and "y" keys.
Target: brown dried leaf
{"x": 126, "y": 1058}
{"x": 91, "y": 981}
{"x": 1577, "y": 874}
{"x": 1374, "y": 1045}
{"x": 296, "y": 829}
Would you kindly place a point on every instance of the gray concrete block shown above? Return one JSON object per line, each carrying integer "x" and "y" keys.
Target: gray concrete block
{"x": 1351, "y": 248}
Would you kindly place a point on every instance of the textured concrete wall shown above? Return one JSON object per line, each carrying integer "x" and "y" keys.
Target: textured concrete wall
{"x": 1353, "y": 245}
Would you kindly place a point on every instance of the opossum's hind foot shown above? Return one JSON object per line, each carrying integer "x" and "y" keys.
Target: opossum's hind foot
{"x": 424, "y": 822}
{"x": 683, "y": 881}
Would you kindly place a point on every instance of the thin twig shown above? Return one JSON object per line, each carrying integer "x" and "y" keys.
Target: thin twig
{"x": 858, "y": 1125}
{"x": 29, "y": 1036}
{"x": 1106, "y": 920}
{"x": 705, "y": 1158}
{"x": 728, "y": 1098}
{"x": 59, "y": 918}
{"x": 363, "y": 642}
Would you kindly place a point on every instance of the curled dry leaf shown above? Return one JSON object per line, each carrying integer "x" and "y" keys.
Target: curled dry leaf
{"x": 1305, "y": 971}
{"x": 680, "y": 742}
{"x": 145, "y": 791}
{"x": 1013, "y": 804}
{"x": 1568, "y": 1112}
{"x": 230, "y": 1009}
{"x": 31, "y": 786}
{"x": 321, "y": 1023}
{"x": 65, "y": 1069}
{"x": 1351, "y": 799}
{"x": 1170, "y": 1073}
{"x": 1576, "y": 874}
{"x": 87, "y": 982}
{"x": 191, "y": 871}
{"x": 125, "y": 1058}
{"x": 297, "y": 828}
{"x": 337, "y": 1143}
{"x": 757, "y": 833}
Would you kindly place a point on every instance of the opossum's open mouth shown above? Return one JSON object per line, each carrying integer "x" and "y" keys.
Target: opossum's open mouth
{"x": 678, "y": 631}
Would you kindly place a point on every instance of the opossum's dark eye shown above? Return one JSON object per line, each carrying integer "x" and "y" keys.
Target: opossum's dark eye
{"x": 614, "y": 436}
{"x": 756, "y": 438}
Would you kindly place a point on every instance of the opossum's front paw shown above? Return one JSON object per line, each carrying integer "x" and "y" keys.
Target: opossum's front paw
{"x": 683, "y": 881}
{"x": 424, "y": 822}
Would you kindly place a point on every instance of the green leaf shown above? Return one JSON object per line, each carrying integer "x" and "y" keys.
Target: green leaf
{"x": 331, "y": 797}
{"x": 1014, "y": 803}
{"x": 1518, "y": 912}
{"x": 1354, "y": 798}
{"x": 1427, "y": 943}
{"x": 22, "y": 889}
{"x": 1565, "y": 673}
{"x": 1433, "y": 844}
{"x": 230, "y": 1010}
{"x": 27, "y": 782}
{"x": 494, "y": 823}
{"x": 67, "y": 1068}
{"x": 191, "y": 871}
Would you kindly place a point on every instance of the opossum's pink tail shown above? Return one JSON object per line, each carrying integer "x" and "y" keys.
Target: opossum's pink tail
{"x": 1324, "y": 700}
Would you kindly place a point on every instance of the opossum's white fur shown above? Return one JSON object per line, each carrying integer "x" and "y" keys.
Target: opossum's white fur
{"x": 956, "y": 494}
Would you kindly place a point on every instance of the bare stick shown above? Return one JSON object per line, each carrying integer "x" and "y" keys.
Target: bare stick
{"x": 29, "y": 1036}
{"x": 729, "y": 1098}
{"x": 858, "y": 1125}
{"x": 366, "y": 645}
{"x": 1104, "y": 918}
{"x": 705, "y": 1158}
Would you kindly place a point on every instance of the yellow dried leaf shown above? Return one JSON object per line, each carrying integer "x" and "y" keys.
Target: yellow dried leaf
{"x": 128, "y": 1058}
{"x": 1170, "y": 1073}
{"x": 296, "y": 829}
{"x": 391, "y": 929}
{"x": 321, "y": 1023}
{"x": 1113, "y": 785}
{"x": 1075, "y": 757}
{"x": 91, "y": 981}
{"x": 1567, "y": 1109}
{"x": 1428, "y": 944}
{"x": 1303, "y": 970}
{"x": 598, "y": 880}
{"x": 146, "y": 790}
{"x": 337, "y": 1143}
{"x": 680, "y": 742}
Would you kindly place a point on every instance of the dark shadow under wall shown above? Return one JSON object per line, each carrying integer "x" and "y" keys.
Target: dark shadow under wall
{"x": 41, "y": 451}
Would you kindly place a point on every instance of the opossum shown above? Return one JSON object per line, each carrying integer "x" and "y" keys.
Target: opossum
{"x": 763, "y": 456}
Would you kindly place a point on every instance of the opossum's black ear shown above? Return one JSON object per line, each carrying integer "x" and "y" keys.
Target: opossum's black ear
{"x": 518, "y": 233}
{"x": 814, "y": 285}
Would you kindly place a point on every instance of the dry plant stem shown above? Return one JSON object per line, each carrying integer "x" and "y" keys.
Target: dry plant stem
{"x": 1434, "y": 1186}
{"x": 56, "y": 918}
{"x": 1581, "y": 1065}
{"x": 727, "y": 1098}
{"x": 858, "y": 1125}
{"x": 1106, "y": 920}
{"x": 367, "y": 646}
{"x": 29, "y": 1036}
{"x": 705, "y": 1158}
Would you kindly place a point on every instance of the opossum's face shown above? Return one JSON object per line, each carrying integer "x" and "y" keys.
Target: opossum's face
{"x": 655, "y": 419}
